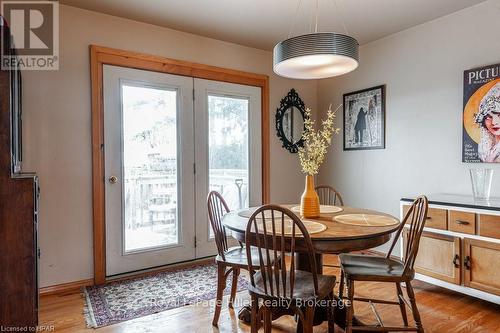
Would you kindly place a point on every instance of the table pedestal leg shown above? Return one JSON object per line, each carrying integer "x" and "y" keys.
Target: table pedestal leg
{"x": 302, "y": 262}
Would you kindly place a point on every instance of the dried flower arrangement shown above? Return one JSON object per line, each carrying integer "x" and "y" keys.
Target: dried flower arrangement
{"x": 316, "y": 142}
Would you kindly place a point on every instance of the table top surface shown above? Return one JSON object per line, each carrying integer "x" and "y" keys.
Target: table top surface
{"x": 334, "y": 230}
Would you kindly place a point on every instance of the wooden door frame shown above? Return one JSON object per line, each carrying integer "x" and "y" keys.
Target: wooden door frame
{"x": 100, "y": 56}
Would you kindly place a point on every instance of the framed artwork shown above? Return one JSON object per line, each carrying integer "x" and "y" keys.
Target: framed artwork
{"x": 364, "y": 119}
{"x": 481, "y": 115}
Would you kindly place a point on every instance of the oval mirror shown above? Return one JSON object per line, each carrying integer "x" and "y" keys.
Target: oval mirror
{"x": 290, "y": 118}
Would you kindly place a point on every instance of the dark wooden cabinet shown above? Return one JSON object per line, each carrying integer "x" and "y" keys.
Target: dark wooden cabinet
{"x": 18, "y": 210}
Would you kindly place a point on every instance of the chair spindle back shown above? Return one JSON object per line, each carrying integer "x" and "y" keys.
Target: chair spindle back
{"x": 415, "y": 219}
{"x": 217, "y": 208}
{"x": 329, "y": 196}
{"x": 264, "y": 231}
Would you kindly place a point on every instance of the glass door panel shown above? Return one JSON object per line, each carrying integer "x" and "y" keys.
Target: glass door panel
{"x": 228, "y": 149}
{"x": 149, "y": 167}
{"x": 228, "y": 152}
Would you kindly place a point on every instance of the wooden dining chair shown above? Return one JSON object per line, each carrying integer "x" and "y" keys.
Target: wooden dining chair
{"x": 277, "y": 283}
{"x": 329, "y": 196}
{"x": 228, "y": 260}
{"x": 386, "y": 269}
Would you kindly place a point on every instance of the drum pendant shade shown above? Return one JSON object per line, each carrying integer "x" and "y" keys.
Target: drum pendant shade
{"x": 315, "y": 56}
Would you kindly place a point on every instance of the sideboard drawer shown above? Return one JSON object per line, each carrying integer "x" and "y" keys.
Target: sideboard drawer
{"x": 436, "y": 218}
{"x": 463, "y": 222}
{"x": 488, "y": 226}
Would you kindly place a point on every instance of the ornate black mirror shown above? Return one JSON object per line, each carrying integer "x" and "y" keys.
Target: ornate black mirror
{"x": 290, "y": 118}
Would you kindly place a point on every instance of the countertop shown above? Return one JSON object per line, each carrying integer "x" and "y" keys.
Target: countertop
{"x": 460, "y": 200}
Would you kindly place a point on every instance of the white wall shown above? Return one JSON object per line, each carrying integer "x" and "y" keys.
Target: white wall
{"x": 422, "y": 68}
{"x": 57, "y": 128}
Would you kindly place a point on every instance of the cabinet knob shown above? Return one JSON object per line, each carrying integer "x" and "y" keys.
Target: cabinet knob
{"x": 113, "y": 179}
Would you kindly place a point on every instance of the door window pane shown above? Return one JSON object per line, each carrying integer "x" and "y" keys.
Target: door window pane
{"x": 228, "y": 149}
{"x": 149, "y": 167}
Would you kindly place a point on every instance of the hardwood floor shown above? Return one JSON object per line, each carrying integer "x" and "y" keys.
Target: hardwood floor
{"x": 441, "y": 310}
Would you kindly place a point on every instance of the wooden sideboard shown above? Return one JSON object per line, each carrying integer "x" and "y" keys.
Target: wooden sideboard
{"x": 18, "y": 211}
{"x": 460, "y": 246}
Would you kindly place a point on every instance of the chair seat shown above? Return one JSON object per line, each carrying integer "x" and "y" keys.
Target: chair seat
{"x": 303, "y": 288}
{"x": 237, "y": 256}
{"x": 372, "y": 268}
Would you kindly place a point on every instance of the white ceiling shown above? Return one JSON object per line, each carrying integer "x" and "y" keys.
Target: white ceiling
{"x": 262, "y": 23}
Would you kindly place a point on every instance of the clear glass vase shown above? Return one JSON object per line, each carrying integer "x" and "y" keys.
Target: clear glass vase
{"x": 481, "y": 183}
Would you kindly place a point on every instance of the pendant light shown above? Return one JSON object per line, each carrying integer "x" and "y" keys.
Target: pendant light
{"x": 316, "y": 55}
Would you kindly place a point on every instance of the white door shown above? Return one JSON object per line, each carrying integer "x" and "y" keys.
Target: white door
{"x": 227, "y": 151}
{"x": 149, "y": 158}
{"x": 162, "y": 144}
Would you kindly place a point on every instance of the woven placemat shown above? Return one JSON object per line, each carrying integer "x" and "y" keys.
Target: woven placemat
{"x": 366, "y": 220}
{"x": 312, "y": 227}
{"x": 323, "y": 209}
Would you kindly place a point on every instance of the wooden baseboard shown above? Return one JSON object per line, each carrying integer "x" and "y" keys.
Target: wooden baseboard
{"x": 65, "y": 288}
{"x": 373, "y": 251}
{"x": 381, "y": 253}
{"x": 168, "y": 268}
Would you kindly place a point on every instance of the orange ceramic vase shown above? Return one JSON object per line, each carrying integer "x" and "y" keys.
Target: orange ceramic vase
{"x": 309, "y": 202}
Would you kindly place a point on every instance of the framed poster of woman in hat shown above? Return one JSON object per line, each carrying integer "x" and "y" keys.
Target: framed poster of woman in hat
{"x": 481, "y": 115}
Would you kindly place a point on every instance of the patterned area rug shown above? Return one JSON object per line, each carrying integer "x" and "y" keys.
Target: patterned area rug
{"x": 124, "y": 300}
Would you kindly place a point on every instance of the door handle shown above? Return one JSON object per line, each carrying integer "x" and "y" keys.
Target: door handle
{"x": 113, "y": 179}
{"x": 467, "y": 262}
{"x": 456, "y": 261}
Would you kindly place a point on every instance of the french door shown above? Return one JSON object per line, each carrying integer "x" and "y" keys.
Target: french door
{"x": 227, "y": 151}
{"x": 169, "y": 140}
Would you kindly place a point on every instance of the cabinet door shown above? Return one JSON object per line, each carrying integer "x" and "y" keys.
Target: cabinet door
{"x": 438, "y": 256}
{"x": 481, "y": 263}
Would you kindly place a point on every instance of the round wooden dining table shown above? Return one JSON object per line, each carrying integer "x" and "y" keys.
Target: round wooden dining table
{"x": 338, "y": 237}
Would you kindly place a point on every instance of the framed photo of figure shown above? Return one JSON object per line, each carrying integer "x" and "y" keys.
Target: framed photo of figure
{"x": 364, "y": 119}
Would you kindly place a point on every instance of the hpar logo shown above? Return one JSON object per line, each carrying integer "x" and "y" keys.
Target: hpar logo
{"x": 34, "y": 30}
